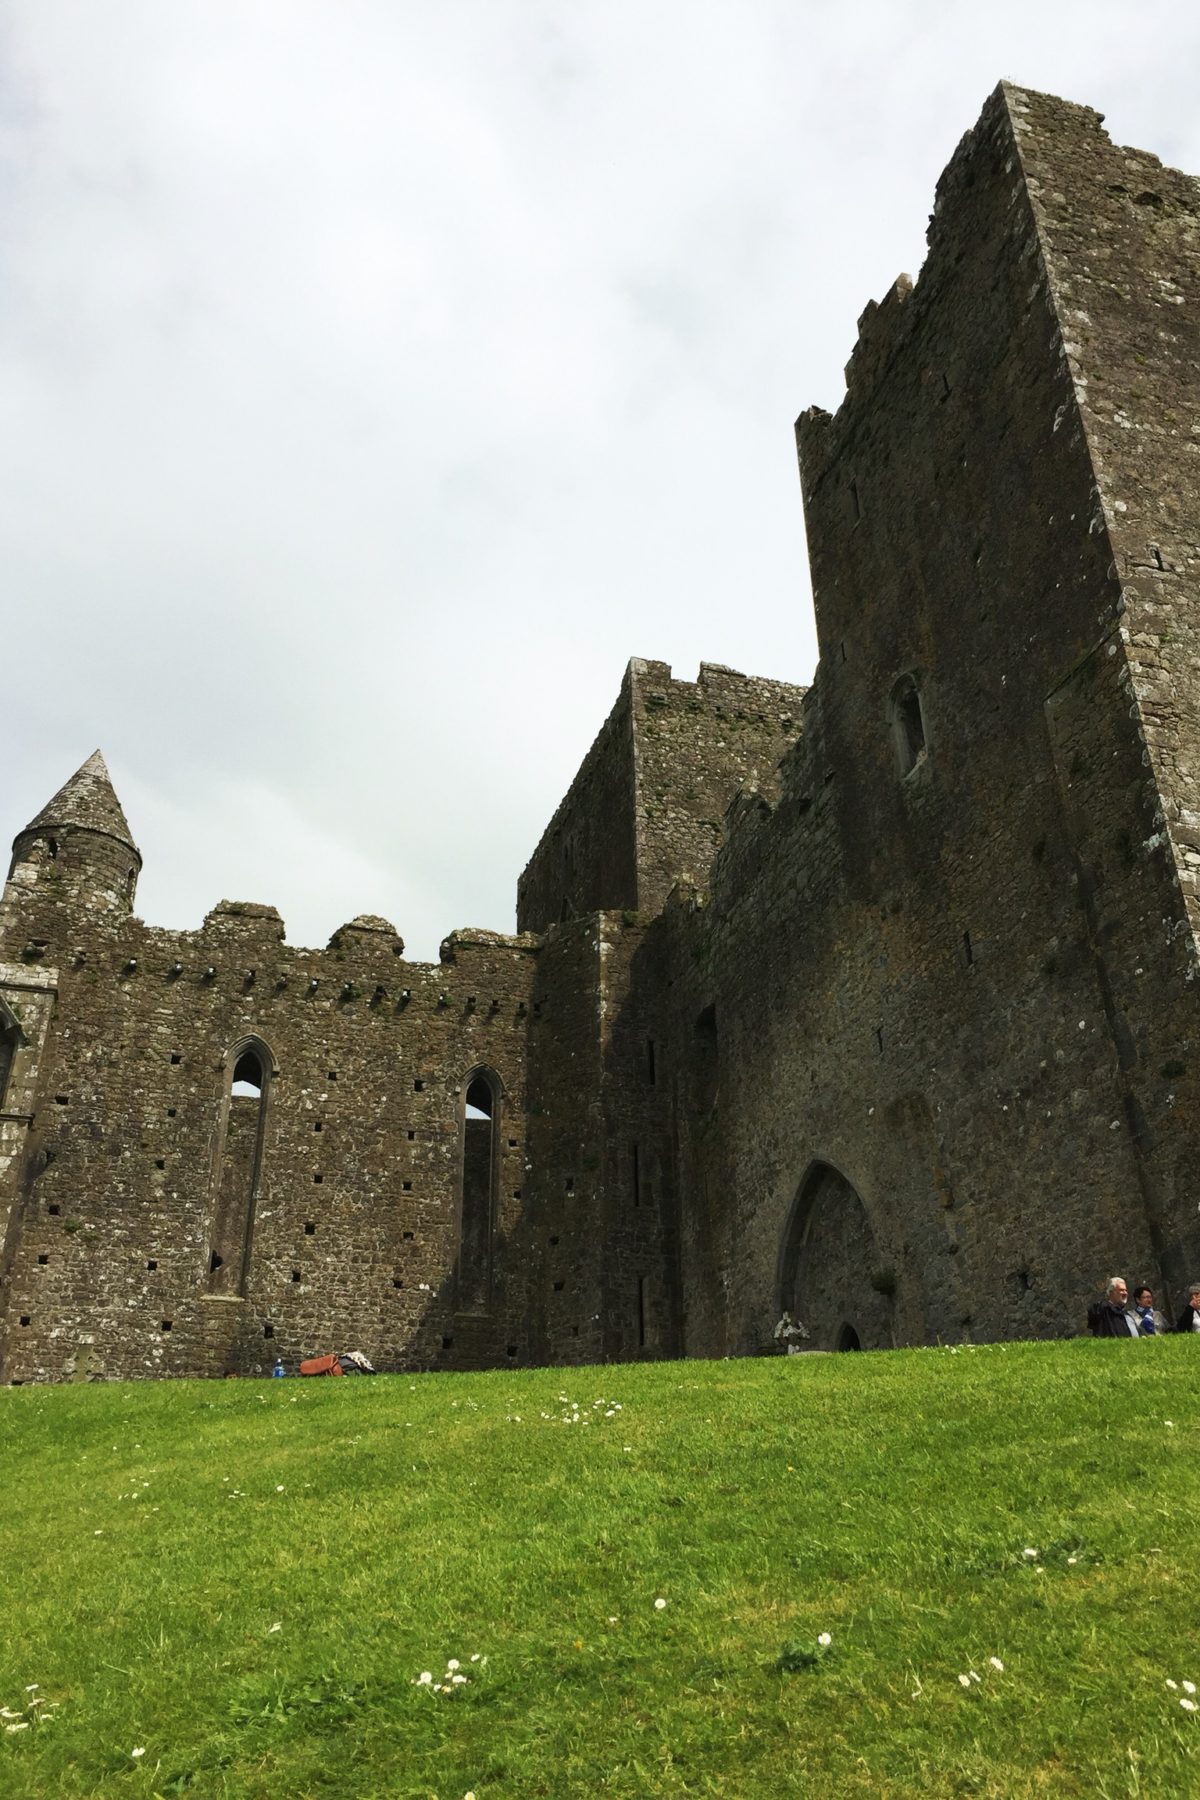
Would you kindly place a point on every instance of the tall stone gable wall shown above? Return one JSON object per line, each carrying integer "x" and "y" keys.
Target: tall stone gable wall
{"x": 876, "y": 1001}
{"x": 965, "y": 987}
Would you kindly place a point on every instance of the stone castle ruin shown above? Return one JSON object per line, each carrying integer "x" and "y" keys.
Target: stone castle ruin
{"x": 876, "y": 1000}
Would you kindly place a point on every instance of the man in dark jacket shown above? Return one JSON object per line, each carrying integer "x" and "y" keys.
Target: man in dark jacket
{"x": 1111, "y": 1317}
{"x": 1189, "y": 1318}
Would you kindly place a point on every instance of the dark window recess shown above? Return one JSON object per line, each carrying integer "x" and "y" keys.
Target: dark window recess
{"x": 968, "y": 952}
{"x": 62, "y": 1099}
{"x": 516, "y": 1193}
{"x": 24, "y": 1318}
{"x": 418, "y": 1087}
{"x": 171, "y": 1111}
{"x": 268, "y": 1331}
{"x": 707, "y": 1060}
{"x": 908, "y": 724}
{"x": 310, "y": 1229}
{"x": 879, "y": 1040}
{"x": 43, "y": 1260}
{"x": 160, "y": 1162}
{"x": 407, "y": 1236}
{"x": 510, "y": 1350}
{"x": 412, "y": 1136}
{"x": 176, "y": 1059}
{"x": 480, "y": 1166}
{"x": 318, "y": 1179}
{"x": 574, "y": 1331}
{"x": 570, "y": 1185}
{"x": 559, "y": 1286}
{"x": 317, "y": 1125}
{"x": 396, "y": 1282}
{"x": 553, "y": 1243}
{"x": 855, "y": 502}
{"x": 333, "y": 1074}
{"x": 166, "y": 1324}
{"x": 54, "y": 1211}
{"x": 237, "y": 1178}
{"x": 406, "y": 1187}
{"x": 295, "y": 1274}
{"x": 152, "y": 1265}
{"x": 448, "y": 1343}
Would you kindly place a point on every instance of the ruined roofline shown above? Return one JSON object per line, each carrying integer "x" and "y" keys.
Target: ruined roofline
{"x": 885, "y": 325}
{"x": 641, "y": 672}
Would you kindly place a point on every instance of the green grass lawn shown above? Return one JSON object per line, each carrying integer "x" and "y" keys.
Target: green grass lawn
{"x": 245, "y": 1580}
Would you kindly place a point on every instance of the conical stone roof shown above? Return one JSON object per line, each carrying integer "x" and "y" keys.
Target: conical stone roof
{"x": 88, "y": 802}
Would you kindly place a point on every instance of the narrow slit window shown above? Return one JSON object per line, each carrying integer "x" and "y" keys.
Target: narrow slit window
{"x": 908, "y": 724}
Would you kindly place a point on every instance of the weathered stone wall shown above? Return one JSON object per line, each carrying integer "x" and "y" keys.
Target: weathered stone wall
{"x": 695, "y": 743}
{"x": 961, "y": 983}
{"x": 648, "y": 802}
{"x": 878, "y": 1001}
{"x": 356, "y": 1216}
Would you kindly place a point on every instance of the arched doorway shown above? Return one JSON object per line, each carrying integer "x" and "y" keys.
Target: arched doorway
{"x": 830, "y": 1274}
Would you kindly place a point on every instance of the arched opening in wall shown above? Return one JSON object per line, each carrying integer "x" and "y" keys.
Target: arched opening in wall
{"x": 477, "y": 1214}
{"x": 240, "y": 1168}
{"x": 10, "y": 1042}
{"x": 706, "y": 1058}
{"x": 908, "y": 724}
{"x": 828, "y": 1266}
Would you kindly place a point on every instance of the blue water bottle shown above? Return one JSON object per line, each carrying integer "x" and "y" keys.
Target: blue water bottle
{"x": 278, "y": 1371}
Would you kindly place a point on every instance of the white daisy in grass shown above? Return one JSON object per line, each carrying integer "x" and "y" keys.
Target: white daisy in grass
{"x": 453, "y": 1664}
{"x": 996, "y": 1664}
{"x": 964, "y": 1681}
{"x": 1189, "y": 1687}
{"x": 138, "y": 1750}
{"x": 824, "y": 1640}
{"x": 1030, "y": 1553}
{"x": 659, "y": 1604}
{"x": 1172, "y": 1684}
{"x": 1187, "y": 1705}
{"x": 424, "y": 1679}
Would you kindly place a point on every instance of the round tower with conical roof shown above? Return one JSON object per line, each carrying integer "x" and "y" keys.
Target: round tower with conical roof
{"x": 80, "y": 844}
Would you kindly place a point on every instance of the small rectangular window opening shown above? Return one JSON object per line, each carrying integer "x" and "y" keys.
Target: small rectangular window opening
{"x": 855, "y": 503}
{"x": 968, "y": 953}
{"x": 310, "y": 1229}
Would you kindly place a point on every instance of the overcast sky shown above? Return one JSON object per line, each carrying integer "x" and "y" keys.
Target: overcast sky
{"x": 377, "y": 376}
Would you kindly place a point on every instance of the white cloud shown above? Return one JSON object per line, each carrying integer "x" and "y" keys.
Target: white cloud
{"x": 378, "y": 379}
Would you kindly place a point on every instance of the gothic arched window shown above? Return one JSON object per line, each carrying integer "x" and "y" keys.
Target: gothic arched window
{"x": 480, "y": 1141}
{"x": 239, "y": 1171}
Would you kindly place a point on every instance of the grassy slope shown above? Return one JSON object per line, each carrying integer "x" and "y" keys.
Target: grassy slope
{"x": 886, "y": 1499}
